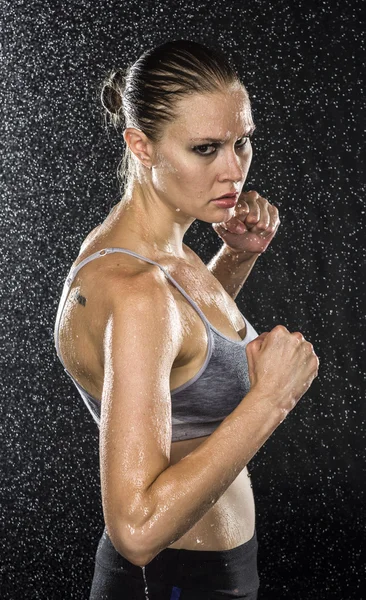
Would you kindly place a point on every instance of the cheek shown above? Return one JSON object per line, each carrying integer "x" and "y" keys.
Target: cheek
{"x": 248, "y": 160}
{"x": 181, "y": 171}
{"x": 163, "y": 172}
{"x": 193, "y": 180}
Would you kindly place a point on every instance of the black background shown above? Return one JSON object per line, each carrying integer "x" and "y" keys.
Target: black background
{"x": 303, "y": 65}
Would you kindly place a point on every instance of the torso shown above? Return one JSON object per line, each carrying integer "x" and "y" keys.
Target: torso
{"x": 231, "y": 521}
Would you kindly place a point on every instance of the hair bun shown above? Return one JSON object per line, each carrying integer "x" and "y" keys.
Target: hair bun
{"x": 111, "y": 94}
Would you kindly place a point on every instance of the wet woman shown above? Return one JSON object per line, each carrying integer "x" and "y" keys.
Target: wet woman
{"x": 182, "y": 387}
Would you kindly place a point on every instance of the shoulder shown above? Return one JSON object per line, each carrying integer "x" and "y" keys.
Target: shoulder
{"x": 88, "y": 239}
{"x": 143, "y": 284}
{"x": 134, "y": 286}
{"x": 117, "y": 280}
{"x": 193, "y": 257}
{"x": 141, "y": 307}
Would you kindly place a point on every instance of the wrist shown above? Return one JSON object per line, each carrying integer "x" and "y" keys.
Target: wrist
{"x": 239, "y": 255}
{"x": 277, "y": 403}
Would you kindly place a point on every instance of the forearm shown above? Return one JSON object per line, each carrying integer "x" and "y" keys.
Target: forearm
{"x": 231, "y": 269}
{"x": 183, "y": 493}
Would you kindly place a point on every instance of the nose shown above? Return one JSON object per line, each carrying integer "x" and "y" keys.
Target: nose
{"x": 232, "y": 167}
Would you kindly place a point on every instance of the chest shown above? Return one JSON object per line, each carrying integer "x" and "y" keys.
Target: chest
{"x": 218, "y": 308}
{"x": 81, "y": 331}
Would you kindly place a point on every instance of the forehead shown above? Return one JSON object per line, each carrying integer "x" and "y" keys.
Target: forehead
{"x": 216, "y": 114}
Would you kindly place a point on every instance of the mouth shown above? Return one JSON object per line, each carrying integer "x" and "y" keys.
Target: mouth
{"x": 227, "y": 200}
{"x": 231, "y": 196}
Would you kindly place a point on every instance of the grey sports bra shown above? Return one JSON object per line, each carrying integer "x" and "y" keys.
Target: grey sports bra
{"x": 200, "y": 404}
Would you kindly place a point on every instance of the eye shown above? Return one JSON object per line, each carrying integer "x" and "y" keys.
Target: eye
{"x": 202, "y": 150}
{"x": 243, "y": 141}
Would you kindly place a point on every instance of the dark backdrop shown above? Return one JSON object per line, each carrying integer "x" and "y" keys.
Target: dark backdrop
{"x": 303, "y": 65}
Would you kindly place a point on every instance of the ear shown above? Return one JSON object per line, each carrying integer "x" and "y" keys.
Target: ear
{"x": 140, "y": 145}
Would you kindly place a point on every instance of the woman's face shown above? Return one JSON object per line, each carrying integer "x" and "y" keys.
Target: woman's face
{"x": 204, "y": 153}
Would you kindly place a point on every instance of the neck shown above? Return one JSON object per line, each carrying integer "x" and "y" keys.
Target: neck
{"x": 149, "y": 219}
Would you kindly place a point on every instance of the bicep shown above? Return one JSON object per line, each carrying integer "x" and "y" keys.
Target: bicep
{"x": 141, "y": 342}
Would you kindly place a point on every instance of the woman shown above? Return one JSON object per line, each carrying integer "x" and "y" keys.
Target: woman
{"x": 154, "y": 341}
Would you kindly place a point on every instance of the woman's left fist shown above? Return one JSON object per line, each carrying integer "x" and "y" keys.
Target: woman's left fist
{"x": 253, "y": 225}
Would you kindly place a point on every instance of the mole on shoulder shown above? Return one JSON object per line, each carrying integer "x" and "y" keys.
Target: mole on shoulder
{"x": 81, "y": 299}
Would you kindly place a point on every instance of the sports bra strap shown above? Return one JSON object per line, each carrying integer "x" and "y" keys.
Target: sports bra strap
{"x": 74, "y": 270}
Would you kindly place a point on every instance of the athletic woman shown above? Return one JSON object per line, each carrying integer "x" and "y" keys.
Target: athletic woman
{"x": 182, "y": 387}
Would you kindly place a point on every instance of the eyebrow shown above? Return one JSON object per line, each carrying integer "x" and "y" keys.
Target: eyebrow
{"x": 218, "y": 141}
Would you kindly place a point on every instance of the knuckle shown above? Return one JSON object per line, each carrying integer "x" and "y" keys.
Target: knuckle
{"x": 278, "y": 330}
{"x": 298, "y": 335}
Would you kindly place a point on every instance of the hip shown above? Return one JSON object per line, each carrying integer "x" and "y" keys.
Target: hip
{"x": 177, "y": 574}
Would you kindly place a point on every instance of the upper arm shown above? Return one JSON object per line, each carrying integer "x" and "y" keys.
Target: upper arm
{"x": 142, "y": 339}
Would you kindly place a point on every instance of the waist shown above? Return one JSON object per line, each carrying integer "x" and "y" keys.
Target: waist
{"x": 228, "y": 524}
{"x": 221, "y": 570}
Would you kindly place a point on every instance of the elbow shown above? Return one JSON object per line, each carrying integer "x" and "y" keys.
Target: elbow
{"x": 140, "y": 558}
{"x": 133, "y": 532}
{"x": 132, "y": 545}
{"x": 141, "y": 552}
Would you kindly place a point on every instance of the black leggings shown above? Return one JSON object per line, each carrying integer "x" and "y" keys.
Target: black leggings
{"x": 177, "y": 574}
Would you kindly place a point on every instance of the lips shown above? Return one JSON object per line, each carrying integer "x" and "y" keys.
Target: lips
{"x": 225, "y": 202}
{"x": 230, "y": 196}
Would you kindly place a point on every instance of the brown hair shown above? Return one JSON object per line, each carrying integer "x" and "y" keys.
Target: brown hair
{"x": 144, "y": 95}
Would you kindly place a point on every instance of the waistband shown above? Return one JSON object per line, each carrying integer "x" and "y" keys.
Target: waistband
{"x": 196, "y": 569}
{"x": 208, "y": 555}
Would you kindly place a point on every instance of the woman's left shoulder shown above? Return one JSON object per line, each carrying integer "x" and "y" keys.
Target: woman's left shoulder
{"x": 88, "y": 239}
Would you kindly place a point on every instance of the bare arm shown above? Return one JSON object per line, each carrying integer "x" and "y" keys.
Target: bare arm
{"x": 148, "y": 503}
{"x": 185, "y": 491}
{"x": 232, "y": 269}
